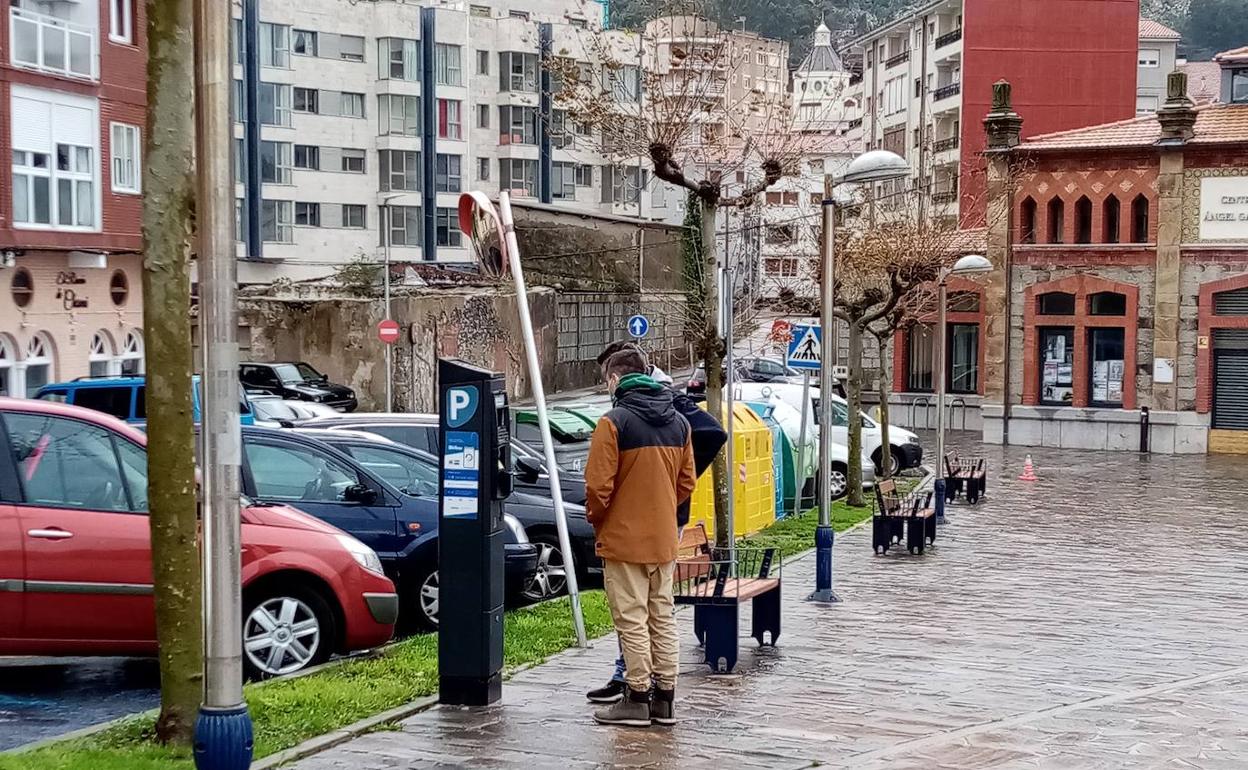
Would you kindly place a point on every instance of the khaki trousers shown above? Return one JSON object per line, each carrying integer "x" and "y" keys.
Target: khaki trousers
{"x": 640, "y": 596}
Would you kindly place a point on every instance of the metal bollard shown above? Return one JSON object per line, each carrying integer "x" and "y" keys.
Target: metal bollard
{"x": 1144, "y": 429}
{"x": 938, "y": 488}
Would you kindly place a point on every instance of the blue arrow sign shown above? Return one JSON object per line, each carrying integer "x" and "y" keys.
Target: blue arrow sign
{"x": 638, "y": 325}
{"x": 805, "y": 347}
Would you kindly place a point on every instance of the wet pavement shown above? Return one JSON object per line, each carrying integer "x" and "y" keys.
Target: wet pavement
{"x": 1093, "y": 619}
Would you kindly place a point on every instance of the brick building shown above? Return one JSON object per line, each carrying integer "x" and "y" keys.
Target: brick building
{"x": 1122, "y": 278}
{"x": 73, "y": 95}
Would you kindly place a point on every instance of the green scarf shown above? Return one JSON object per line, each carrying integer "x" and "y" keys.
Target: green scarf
{"x": 630, "y": 382}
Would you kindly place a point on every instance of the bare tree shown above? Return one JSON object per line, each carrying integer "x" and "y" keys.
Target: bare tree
{"x": 168, "y": 221}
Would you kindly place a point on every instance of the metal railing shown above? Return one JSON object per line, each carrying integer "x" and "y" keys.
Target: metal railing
{"x": 48, "y": 44}
{"x": 949, "y": 38}
{"x": 946, "y": 196}
{"x": 900, "y": 58}
{"x": 944, "y": 145}
{"x": 944, "y": 92}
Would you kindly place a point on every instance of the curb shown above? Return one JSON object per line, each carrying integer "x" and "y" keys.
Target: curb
{"x": 342, "y": 735}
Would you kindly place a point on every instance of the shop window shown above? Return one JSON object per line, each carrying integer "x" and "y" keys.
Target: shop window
{"x": 1139, "y": 219}
{"x": 920, "y": 351}
{"x": 1111, "y": 216}
{"x": 1056, "y": 303}
{"x": 1083, "y": 220}
{"x": 1107, "y": 303}
{"x": 1027, "y": 221}
{"x": 1057, "y": 220}
{"x": 1106, "y": 370}
{"x": 100, "y": 357}
{"x": 1057, "y": 358}
{"x": 39, "y": 364}
{"x": 8, "y": 355}
{"x": 963, "y": 362}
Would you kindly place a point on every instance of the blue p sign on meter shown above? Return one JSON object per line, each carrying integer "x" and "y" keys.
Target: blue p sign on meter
{"x": 638, "y": 325}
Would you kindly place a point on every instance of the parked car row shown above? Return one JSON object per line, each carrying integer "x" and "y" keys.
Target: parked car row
{"x": 756, "y": 369}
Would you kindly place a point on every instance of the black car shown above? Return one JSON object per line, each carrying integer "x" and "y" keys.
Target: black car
{"x": 297, "y": 381}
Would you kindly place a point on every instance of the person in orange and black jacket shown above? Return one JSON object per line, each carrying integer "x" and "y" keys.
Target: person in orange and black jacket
{"x": 707, "y": 439}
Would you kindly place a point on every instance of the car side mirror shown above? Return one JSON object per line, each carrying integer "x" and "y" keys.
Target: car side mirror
{"x": 359, "y": 493}
{"x": 529, "y": 470}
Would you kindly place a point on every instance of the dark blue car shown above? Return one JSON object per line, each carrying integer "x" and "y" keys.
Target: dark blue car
{"x": 400, "y": 524}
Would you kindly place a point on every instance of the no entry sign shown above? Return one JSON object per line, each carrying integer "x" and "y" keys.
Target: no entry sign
{"x": 388, "y": 332}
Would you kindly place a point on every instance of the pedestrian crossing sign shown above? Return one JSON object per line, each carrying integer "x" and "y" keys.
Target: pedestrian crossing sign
{"x": 805, "y": 347}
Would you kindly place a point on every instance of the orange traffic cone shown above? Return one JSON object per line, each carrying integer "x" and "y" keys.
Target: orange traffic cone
{"x": 1029, "y": 471}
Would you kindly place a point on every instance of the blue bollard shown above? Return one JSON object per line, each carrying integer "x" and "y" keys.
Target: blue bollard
{"x": 939, "y": 491}
{"x": 223, "y": 739}
{"x": 824, "y": 537}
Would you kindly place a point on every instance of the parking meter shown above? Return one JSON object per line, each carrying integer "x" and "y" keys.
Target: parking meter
{"x": 475, "y": 442}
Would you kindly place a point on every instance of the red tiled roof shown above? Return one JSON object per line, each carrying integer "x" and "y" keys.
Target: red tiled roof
{"x": 1215, "y": 124}
{"x": 1234, "y": 55}
{"x": 1155, "y": 30}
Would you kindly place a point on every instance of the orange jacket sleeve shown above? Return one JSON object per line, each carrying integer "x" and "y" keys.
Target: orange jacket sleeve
{"x": 688, "y": 478}
{"x": 600, "y": 470}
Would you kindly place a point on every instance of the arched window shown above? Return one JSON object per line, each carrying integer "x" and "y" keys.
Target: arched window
{"x": 1027, "y": 221}
{"x": 100, "y": 359}
{"x": 1111, "y": 216}
{"x": 40, "y": 362}
{"x": 1083, "y": 220}
{"x": 1107, "y": 303}
{"x": 1139, "y": 219}
{"x": 132, "y": 354}
{"x": 1056, "y": 303}
{"x": 1057, "y": 220}
{"x": 8, "y": 353}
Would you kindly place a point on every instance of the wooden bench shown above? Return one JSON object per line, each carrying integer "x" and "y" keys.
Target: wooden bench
{"x": 897, "y": 516}
{"x": 965, "y": 474}
{"x": 716, "y": 584}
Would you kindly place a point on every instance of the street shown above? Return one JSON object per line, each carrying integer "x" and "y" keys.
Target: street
{"x": 1086, "y": 620}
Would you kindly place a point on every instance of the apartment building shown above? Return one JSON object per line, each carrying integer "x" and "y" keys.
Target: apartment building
{"x": 1158, "y": 57}
{"x": 72, "y": 105}
{"x": 927, "y": 77}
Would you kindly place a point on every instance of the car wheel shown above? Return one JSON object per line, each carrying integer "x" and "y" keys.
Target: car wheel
{"x": 551, "y": 578}
{"x": 422, "y": 601}
{"x": 894, "y": 456}
{"x": 838, "y": 482}
{"x": 285, "y": 629}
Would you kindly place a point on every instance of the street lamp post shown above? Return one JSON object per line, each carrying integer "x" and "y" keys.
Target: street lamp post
{"x": 387, "y": 214}
{"x": 971, "y": 264}
{"x": 873, "y": 166}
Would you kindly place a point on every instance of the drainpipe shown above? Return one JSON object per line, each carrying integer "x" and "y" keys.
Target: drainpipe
{"x": 253, "y": 187}
{"x": 545, "y": 159}
{"x": 429, "y": 137}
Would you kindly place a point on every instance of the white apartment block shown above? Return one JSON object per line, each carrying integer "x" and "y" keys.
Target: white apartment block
{"x": 1158, "y": 57}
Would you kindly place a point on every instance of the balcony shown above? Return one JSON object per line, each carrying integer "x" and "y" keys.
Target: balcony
{"x": 944, "y": 197}
{"x": 948, "y": 38}
{"x": 855, "y": 123}
{"x": 855, "y": 79}
{"x": 48, "y": 44}
{"x": 944, "y": 145}
{"x": 946, "y": 92}
{"x": 900, "y": 58}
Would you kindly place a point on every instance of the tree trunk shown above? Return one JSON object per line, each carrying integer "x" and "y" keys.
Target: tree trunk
{"x": 885, "y": 452}
{"x": 168, "y": 219}
{"x": 854, "y": 497}
{"x": 713, "y": 360}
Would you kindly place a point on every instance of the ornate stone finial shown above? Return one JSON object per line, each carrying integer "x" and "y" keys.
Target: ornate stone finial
{"x": 1002, "y": 124}
{"x": 1178, "y": 115}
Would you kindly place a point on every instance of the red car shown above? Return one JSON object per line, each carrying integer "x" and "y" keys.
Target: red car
{"x": 75, "y": 556}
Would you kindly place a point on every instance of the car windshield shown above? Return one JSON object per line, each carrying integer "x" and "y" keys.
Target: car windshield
{"x": 272, "y": 409}
{"x": 411, "y": 475}
{"x": 295, "y": 373}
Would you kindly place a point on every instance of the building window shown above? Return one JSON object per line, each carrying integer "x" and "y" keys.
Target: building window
{"x": 920, "y": 352}
{"x": 518, "y": 176}
{"x": 1111, "y": 216}
{"x": 307, "y": 100}
{"x": 406, "y": 225}
{"x": 100, "y": 356}
{"x": 1055, "y": 303}
{"x": 1083, "y": 220}
{"x": 584, "y": 175}
{"x": 276, "y": 162}
{"x": 308, "y": 157}
{"x": 352, "y": 105}
{"x": 1150, "y": 57}
{"x": 1027, "y": 221}
{"x": 1145, "y": 105}
{"x": 446, "y": 174}
{"x": 39, "y": 362}
{"x": 622, "y": 184}
{"x": 398, "y": 115}
{"x": 1239, "y": 86}
{"x": 400, "y": 170}
{"x": 7, "y": 357}
{"x": 32, "y": 188}
{"x": 351, "y": 48}
{"x": 75, "y": 186}
{"x": 483, "y": 62}
{"x": 626, "y": 84}
{"x": 121, "y": 21}
{"x": 132, "y": 363}
{"x": 308, "y": 214}
{"x": 480, "y": 11}
{"x": 275, "y": 101}
{"x": 446, "y": 63}
{"x": 781, "y": 235}
{"x": 303, "y": 43}
{"x": 446, "y": 227}
{"x": 276, "y": 219}
{"x": 398, "y": 59}
{"x": 124, "y": 150}
{"x": 522, "y": 15}
{"x": 1057, "y": 358}
{"x": 517, "y": 125}
{"x": 353, "y": 161}
{"x": 483, "y": 116}
{"x": 1106, "y": 370}
{"x": 517, "y": 71}
{"x": 1139, "y": 219}
{"x": 1107, "y": 303}
{"x": 483, "y": 169}
{"x": 1057, "y": 217}
{"x": 274, "y": 45}
{"x": 780, "y": 268}
{"x": 563, "y": 181}
{"x": 450, "y": 125}
{"x": 963, "y": 363}
{"x": 354, "y": 216}
{"x": 119, "y": 288}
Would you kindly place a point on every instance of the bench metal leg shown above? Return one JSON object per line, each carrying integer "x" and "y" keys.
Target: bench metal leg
{"x": 973, "y": 486}
{"x": 929, "y": 528}
{"x": 881, "y": 534}
{"x": 914, "y": 534}
{"x": 720, "y": 624}
{"x": 953, "y": 488}
{"x": 766, "y": 616}
{"x": 699, "y": 624}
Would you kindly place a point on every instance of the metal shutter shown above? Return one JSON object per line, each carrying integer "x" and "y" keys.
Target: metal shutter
{"x": 1230, "y": 379}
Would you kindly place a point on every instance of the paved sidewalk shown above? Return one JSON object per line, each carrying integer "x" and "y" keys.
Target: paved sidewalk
{"x": 1092, "y": 620}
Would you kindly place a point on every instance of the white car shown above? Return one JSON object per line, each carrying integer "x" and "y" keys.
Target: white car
{"x": 790, "y": 421}
{"x": 904, "y": 448}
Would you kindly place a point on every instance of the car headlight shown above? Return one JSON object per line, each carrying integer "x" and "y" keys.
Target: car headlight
{"x": 516, "y": 529}
{"x": 364, "y": 556}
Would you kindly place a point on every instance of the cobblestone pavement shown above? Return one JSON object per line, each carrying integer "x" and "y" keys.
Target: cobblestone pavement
{"x": 1094, "y": 619}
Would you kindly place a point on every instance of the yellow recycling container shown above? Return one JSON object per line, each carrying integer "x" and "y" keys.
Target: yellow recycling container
{"x": 754, "y": 477}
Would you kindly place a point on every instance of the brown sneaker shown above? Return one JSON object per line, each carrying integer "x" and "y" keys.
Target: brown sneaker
{"x": 632, "y": 711}
{"x": 663, "y": 707}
